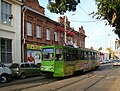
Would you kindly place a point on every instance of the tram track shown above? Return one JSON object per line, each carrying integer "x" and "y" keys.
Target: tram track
{"x": 51, "y": 80}
{"x": 89, "y": 86}
{"x": 102, "y": 77}
{"x": 88, "y": 75}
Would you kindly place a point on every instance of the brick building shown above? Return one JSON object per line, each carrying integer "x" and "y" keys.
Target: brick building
{"x": 74, "y": 38}
{"x": 38, "y": 30}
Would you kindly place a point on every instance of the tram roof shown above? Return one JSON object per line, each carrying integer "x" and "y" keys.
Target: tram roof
{"x": 57, "y": 46}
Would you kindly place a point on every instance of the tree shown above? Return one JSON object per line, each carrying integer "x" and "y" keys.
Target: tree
{"x": 100, "y": 49}
{"x": 109, "y": 10}
{"x": 61, "y": 6}
{"x": 110, "y": 51}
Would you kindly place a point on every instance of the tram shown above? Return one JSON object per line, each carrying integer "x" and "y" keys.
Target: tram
{"x": 61, "y": 61}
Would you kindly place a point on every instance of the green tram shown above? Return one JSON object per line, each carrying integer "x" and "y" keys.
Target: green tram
{"x": 61, "y": 61}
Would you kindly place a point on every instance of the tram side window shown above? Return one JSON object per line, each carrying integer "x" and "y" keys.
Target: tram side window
{"x": 81, "y": 55}
{"x": 58, "y": 54}
{"x": 86, "y": 55}
{"x": 74, "y": 55}
{"x": 90, "y": 55}
{"x": 98, "y": 56}
{"x": 93, "y": 56}
{"x": 67, "y": 55}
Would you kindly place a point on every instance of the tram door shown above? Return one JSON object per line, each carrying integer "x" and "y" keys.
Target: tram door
{"x": 86, "y": 59}
{"x": 58, "y": 64}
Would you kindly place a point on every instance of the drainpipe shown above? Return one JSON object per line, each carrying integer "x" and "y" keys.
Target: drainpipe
{"x": 65, "y": 30}
{"x": 23, "y": 34}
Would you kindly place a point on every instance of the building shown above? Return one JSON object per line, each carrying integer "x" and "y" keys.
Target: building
{"x": 104, "y": 55}
{"x": 114, "y": 44}
{"x": 117, "y": 48}
{"x": 10, "y": 31}
{"x": 38, "y": 30}
{"x": 73, "y": 37}
{"x": 82, "y": 37}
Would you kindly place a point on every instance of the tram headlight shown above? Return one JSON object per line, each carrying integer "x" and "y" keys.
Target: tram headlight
{"x": 51, "y": 69}
{"x": 42, "y": 68}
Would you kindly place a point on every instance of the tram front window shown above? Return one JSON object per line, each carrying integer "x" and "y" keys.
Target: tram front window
{"x": 48, "y": 54}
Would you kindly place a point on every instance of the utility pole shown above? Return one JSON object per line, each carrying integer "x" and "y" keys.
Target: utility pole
{"x": 65, "y": 29}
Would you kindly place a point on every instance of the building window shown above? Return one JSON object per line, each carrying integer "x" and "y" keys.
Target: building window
{"x": 6, "y": 50}
{"x": 55, "y": 36}
{"x": 29, "y": 28}
{"x": 47, "y": 34}
{"x": 5, "y": 13}
{"x": 38, "y": 31}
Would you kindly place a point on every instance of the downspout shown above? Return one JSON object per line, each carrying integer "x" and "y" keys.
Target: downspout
{"x": 23, "y": 34}
{"x": 65, "y": 27}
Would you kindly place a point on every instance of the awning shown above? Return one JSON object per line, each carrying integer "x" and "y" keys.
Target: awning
{"x": 70, "y": 33}
{"x": 60, "y": 28}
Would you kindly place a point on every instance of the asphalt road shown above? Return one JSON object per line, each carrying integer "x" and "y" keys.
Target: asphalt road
{"x": 102, "y": 79}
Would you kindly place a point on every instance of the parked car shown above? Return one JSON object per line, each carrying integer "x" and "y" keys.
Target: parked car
{"x": 5, "y": 73}
{"x": 103, "y": 61}
{"x": 25, "y": 69}
{"x": 116, "y": 62}
{"x": 107, "y": 61}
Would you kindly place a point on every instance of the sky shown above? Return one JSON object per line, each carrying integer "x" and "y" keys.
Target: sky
{"x": 98, "y": 35}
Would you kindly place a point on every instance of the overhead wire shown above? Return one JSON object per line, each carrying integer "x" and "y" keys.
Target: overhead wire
{"x": 91, "y": 18}
{"x": 85, "y": 21}
{"x": 75, "y": 20}
{"x": 72, "y": 20}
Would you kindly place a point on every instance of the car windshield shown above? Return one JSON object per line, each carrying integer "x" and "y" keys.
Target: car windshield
{"x": 14, "y": 66}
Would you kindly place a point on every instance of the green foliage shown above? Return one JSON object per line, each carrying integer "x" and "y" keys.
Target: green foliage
{"x": 109, "y": 49}
{"x": 100, "y": 49}
{"x": 61, "y": 6}
{"x": 106, "y": 9}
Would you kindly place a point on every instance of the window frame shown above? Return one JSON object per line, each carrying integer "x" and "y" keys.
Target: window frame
{"x": 6, "y": 11}
{"x": 6, "y": 52}
{"x": 56, "y": 36}
{"x": 28, "y": 32}
{"x": 38, "y": 36}
{"x": 48, "y": 34}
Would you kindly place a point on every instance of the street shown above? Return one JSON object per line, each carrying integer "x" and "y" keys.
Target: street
{"x": 58, "y": 45}
{"x": 102, "y": 79}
